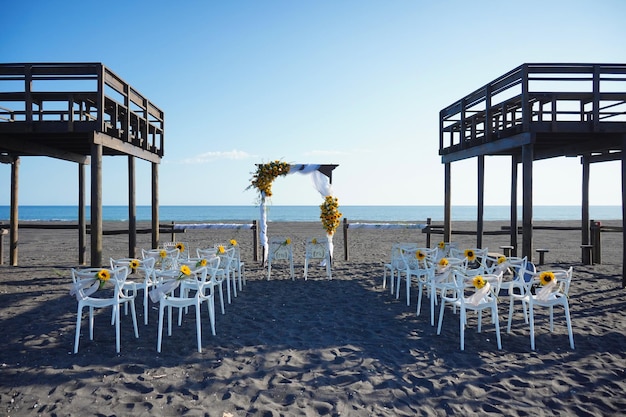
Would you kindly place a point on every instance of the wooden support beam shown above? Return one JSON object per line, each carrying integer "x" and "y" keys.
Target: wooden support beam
{"x": 96, "y": 206}
{"x": 527, "y": 203}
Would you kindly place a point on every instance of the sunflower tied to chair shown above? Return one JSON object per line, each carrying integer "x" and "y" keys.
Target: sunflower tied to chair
{"x": 220, "y": 250}
{"x": 103, "y": 276}
{"x": 180, "y": 246}
{"x": 501, "y": 260}
{"x": 201, "y": 263}
{"x": 470, "y": 255}
{"x": 232, "y": 242}
{"x": 441, "y": 245}
{"x": 420, "y": 255}
{"x": 134, "y": 264}
{"x": 184, "y": 272}
{"x": 546, "y": 277}
{"x": 479, "y": 282}
{"x": 443, "y": 262}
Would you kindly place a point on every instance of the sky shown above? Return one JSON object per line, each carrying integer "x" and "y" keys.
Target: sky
{"x": 358, "y": 83}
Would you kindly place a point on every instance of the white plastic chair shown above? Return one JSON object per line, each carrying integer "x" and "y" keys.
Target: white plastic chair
{"x": 517, "y": 291}
{"x": 197, "y": 282}
{"x": 280, "y": 249}
{"x": 226, "y": 272}
{"x": 482, "y": 299}
{"x": 548, "y": 296}
{"x": 440, "y": 280}
{"x": 141, "y": 277}
{"x": 422, "y": 270}
{"x": 316, "y": 250}
{"x": 111, "y": 295}
{"x": 395, "y": 263}
{"x": 210, "y": 253}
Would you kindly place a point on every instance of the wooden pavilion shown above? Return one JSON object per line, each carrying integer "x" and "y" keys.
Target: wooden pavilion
{"x": 534, "y": 112}
{"x": 78, "y": 112}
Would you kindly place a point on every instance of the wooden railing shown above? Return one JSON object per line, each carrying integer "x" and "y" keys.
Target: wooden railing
{"x": 538, "y": 97}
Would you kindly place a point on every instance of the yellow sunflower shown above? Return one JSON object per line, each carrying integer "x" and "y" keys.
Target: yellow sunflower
{"x": 443, "y": 262}
{"x": 546, "y": 277}
{"x": 470, "y": 255}
{"x": 184, "y": 271}
{"x": 501, "y": 259}
{"x": 479, "y": 282}
{"x": 163, "y": 253}
{"x": 287, "y": 241}
{"x": 233, "y": 242}
{"x": 103, "y": 276}
{"x": 220, "y": 249}
{"x": 201, "y": 263}
{"x": 420, "y": 255}
{"x": 134, "y": 264}
{"x": 442, "y": 245}
{"x": 181, "y": 247}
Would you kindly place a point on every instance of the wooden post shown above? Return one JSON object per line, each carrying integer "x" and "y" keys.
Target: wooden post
{"x": 82, "y": 223}
{"x": 132, "y": 209}
{"x": 13, "y": 217}
{"x": 255, "y": 242}
{"x": 345, "y": 239}
{"x": 481, "y": 201}
{"x": 513, "y": 220}
{"x": 585, "y": 226}
{"x": 527, "y": 205}
{"x": 428, "y": 223}
{"x": 96, "y": 205}
{"x": 155, "y": 205}
{"x": 596, "y": 228}
{"x": 447, "y": 207}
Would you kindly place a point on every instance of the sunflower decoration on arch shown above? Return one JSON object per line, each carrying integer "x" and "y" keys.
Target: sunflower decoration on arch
{"x": 265, "y": 174}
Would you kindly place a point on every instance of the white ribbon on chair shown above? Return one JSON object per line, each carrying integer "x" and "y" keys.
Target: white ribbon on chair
{"x": 88, "y": 287}
{"x": 545, "y": 291}
{"x": 163, "y": 288}
{"x": 479, "y": 295}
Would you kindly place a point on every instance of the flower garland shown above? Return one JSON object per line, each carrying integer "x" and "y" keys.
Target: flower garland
{"x": 265, "y": 175}
{"x": 330, "y": 214}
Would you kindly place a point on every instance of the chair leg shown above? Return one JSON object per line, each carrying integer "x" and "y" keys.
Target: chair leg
{"x": 145, "y": 306}
{"x": 198, "y": 326}
{"x": 569, "y": 324}
{"x": 78, "y": 319}
{"x": 496, "y": 321}
{"x": 134, "y": 316}
{"x": 408, "y": 289}
{"x": 222, "y": 299}
{"x": 117, "y": 329}
{"x": 462, "y": 327}
{"x": 160, "y": 331}
{"x": 211, "y": 304}
{"x": 531, "y": 315}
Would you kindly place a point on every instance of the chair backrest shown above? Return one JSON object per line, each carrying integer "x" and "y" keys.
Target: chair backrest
{"x": 86, "y": 282}
{"x": 316, "y": 248}
{"x": 206, "y": 253}
{"x": 226, "y": 258}
{"x": 183, "y": 248}
{"x": 280, "y": 248}
{"x": 418, "y": 258}
{"x": 166, "y": 259}
{"x": 143, "y": 266}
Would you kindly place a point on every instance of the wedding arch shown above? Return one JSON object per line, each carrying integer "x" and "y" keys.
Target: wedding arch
{"x": 321, "y": 174}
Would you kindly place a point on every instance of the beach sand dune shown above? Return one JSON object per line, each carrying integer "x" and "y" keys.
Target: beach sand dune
{"x": 310, "y": 348}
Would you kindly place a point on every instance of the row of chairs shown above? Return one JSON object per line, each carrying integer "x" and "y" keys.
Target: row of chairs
{"x": 161, "y": 272}
{"x": 447, "y": 275}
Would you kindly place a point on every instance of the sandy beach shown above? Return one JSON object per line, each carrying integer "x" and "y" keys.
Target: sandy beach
{"x": 345, "y": 347}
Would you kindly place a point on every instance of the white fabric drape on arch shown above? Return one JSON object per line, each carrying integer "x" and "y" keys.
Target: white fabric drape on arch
{"x": 322, "y": 185}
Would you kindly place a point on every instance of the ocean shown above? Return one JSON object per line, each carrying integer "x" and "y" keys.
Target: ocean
{"x": 181, "y": 214}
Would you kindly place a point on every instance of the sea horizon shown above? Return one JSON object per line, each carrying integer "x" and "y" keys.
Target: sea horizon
{"x": 293, "y": 213}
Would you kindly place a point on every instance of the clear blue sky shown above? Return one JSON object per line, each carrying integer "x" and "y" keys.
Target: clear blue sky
{"x": 357, "y": 83}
